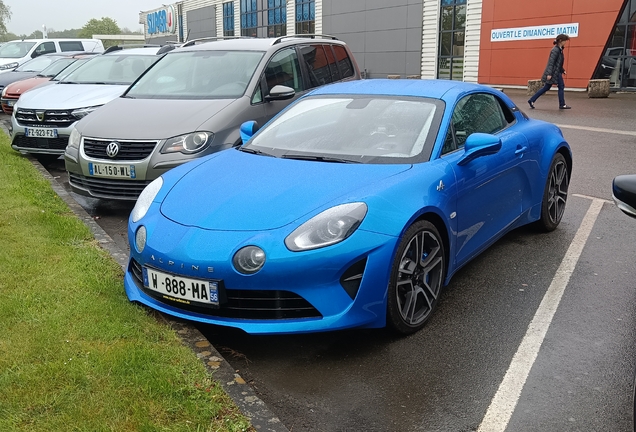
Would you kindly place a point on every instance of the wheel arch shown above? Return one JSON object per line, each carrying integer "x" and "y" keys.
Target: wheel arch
{"x": 439, "y": 223}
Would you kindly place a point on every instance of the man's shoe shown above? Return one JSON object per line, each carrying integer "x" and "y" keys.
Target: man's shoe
{"x": 531, "y": 104}
{"x": 565, "y": 107}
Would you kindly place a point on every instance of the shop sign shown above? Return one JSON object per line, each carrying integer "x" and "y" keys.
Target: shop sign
{"x": 534, "y": 32}
{"x": 162, "y": 21}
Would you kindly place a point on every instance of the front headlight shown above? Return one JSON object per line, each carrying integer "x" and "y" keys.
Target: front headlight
{"x": 145, "y": 199}
{"x": 4, "y": 92}
{"x": 83, "y": 112}
{"x": 329, "y": 227}
{"x": 189, "y": 143}
{"x": 10, "y": 66}
{"x": 74, "y": 139}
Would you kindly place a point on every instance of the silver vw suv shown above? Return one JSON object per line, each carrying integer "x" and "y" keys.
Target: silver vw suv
{"x": 191, "y": 103}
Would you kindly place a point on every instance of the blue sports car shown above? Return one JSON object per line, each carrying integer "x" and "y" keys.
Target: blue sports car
{"x": 351, "y": 208}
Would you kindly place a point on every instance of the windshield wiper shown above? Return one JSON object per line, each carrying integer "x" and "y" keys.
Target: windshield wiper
{"x": 254, "y": 151}
{"x": 318, "y": 158}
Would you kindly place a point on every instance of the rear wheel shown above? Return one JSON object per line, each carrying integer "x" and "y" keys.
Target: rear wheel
{"x": 555, "y": 194}
{"x": 416, "y": 278}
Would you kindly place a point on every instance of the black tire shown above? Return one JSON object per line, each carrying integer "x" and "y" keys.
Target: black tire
{"x": 46, "y": 159}
{"x": 421, "y": 279}
{"x": 555, "y": 194}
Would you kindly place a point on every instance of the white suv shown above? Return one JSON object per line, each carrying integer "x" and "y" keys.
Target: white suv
{"x": 14, "y": 53}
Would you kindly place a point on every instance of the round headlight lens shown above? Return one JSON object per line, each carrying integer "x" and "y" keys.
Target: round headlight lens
{"x": 249, "y": 260}
{"x": 140, "y": 239}
{"x": 145, "y": 199}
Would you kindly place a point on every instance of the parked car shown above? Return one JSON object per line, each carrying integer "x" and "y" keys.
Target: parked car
{"x": 624, "y": 193}
{"x": 28, "y": 69}
{"x": 191, "y": 103}
{"x": 351, "y": 208}
{"x": 44, "y": 117}
{"x": 11, "y": 92}
{"x": 14, "y": 53}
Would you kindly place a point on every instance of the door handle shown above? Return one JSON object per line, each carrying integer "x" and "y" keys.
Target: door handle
{"x": 521, "y": 150}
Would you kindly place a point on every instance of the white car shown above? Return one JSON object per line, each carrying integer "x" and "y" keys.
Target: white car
{"x": 14, "y": 53}
{"x": 44, "y": 117}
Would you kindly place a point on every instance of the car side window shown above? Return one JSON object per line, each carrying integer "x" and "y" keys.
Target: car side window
{"x": 71, "y": 46}
{"x": 343, "y": 61}
{"x": 44, "y": 48}
{"x": 284, "y": 69}
{"x": 474, "y": 113}
{"x": 315, "y": 59}
{"x": 331, "y": 61}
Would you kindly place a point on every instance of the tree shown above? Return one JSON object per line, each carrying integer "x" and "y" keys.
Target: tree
{"x": 106, "y": 26}
{"x": 5, "y": 16}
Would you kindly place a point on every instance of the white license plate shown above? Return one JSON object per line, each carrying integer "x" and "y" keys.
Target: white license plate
{"x": 41, "y": 132}
{"x": 110, "y": 170}
{"x": 182, "y": 289}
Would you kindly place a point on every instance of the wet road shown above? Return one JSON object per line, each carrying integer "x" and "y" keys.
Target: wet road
{"x": 444, "y": 378}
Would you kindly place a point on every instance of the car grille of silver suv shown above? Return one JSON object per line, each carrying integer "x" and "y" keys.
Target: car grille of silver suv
{"x": 46, "y": 118}
{"x": 128, "y": 150}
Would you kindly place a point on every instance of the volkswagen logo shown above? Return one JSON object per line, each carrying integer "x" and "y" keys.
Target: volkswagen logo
{"x": 112, "y": 149}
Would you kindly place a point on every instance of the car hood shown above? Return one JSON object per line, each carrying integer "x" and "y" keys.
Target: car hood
{"x": 21, "y": 86}
{"x": 10, "y": 77}
{"x": 150, "y": 118}
{"x": 70, "y": 96}
{"x": 237, "y": 191}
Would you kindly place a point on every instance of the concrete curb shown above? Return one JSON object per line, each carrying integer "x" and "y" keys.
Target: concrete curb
{"x": 242, "y": 394}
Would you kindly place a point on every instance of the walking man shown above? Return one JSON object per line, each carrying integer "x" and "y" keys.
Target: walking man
{"x": 553, "y": 73}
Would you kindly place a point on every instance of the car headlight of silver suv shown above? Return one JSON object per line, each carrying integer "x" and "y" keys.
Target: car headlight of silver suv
{"x": 329, "y": 227}
{"x": 189, "y": 143}
{"x": 74, "y": 139}
{"x": 83, "y": 112}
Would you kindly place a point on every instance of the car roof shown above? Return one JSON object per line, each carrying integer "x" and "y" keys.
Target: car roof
{"x": 135, "y": 51}
{"x": 436, "y": 89}
{"x": 256, "y": 44}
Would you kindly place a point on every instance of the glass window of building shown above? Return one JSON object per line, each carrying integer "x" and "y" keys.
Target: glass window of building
{"x": 249, "y": 18}
{"x": 305, "y": 16}
{"x": 228, "y": 19}
{"x": 618, "y": 61}
{"x": 276, "y": 18}
{"x": 450, "y": 64}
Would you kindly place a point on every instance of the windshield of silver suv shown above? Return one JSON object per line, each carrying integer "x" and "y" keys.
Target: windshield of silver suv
{"x": 110, "y": 69}
{"x": 198, "y": 75}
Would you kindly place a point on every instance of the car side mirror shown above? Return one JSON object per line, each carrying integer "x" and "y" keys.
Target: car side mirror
{"x": 248, "y": 129}
{"x": 280, "y": 92}
{"x": 624, "y": 193}
{"x": 478, "y": 145}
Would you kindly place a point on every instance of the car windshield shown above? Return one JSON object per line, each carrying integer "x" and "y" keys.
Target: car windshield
{"x": 198, "y": 75}
{"x": 15, "y": 49}
{"x": 110, "y": 69}
{"x": 357, "y": 128}
{"x": 57, "y": 67}
{"x": 69, "y": 68}
{"x": 38, "y": 64}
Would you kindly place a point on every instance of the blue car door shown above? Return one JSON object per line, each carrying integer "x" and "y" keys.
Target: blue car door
{"x": 489, "y": 188}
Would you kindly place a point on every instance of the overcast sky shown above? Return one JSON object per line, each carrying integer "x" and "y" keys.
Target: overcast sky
{"x": 30, "y": 15}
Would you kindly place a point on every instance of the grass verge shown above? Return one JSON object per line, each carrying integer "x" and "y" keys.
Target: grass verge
{"x": 75, "y": 355}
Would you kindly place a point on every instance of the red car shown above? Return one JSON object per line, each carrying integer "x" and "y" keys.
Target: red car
{"x": 61, "y": 67}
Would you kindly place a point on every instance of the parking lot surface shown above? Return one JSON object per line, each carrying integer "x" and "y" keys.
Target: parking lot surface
{"x": 446, "y": 377}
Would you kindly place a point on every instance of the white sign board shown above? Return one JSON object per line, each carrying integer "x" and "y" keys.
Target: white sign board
{"x": 534, "y": 32}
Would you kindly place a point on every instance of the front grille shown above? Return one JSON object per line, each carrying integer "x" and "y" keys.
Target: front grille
{"x": 243, "y": 304}
{"x": 107, "y": 188}
{"x": 24, "y": 141}
{"x": 50, "y": 118}
{"x": 128, "y": 150}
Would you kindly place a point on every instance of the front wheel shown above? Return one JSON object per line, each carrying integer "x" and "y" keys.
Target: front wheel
{"x": 555, "y": 194}
{"x": 416, "y": 280}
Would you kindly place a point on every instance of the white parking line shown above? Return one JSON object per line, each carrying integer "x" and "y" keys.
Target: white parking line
{"x": 602, "y": 130}
{"x": 504, "y": 402}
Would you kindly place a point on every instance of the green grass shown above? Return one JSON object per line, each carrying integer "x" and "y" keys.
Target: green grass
{"x": 75, "y": 355}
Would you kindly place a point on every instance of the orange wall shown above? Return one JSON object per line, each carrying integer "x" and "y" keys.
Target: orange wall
{"x": 516, "y": 62}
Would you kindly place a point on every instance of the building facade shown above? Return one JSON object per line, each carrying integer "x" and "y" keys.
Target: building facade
{"x": 495, "y": 42}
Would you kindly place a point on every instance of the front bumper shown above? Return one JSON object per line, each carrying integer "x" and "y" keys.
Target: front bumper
{"x": 7, "y": 104}
{"x": 22, "y": 143}
{"x": 293, "y": 292}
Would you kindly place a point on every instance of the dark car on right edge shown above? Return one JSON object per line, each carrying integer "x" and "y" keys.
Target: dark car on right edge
{"x": 192, "y": 103}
